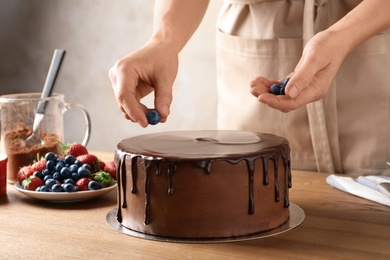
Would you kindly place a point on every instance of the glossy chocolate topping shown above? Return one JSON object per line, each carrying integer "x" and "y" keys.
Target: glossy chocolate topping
{"x": 201, "y": 149}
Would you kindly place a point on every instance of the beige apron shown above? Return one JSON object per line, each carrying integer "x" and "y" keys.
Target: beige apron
{"x": 347, "y": 131}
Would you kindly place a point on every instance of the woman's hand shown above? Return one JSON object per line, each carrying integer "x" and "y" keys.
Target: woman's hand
{"x": 312, "y": 77}
{"x": 151, "y": 68}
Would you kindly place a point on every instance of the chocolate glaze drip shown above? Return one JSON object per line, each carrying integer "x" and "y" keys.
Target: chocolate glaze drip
{"x": 134, "y": 173}
{"x": 280, "y": 153}
{"x": 250, "y": 162}
{"x": 119, "y": 180}
{"x": 171, "y": 170}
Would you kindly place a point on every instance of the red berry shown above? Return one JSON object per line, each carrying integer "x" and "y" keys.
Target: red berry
{"x": 38, "y": 166}
{"x": 91, "y": 160}
{"x": 110, "y": 168}
{"x": 82, "y": 184}
{"x": 31, "y": 183}
{"x": 24, "y": 173}
{"x": 76, "y": 149}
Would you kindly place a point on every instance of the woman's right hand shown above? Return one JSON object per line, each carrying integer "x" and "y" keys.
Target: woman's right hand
{"x": 153, "y": 67}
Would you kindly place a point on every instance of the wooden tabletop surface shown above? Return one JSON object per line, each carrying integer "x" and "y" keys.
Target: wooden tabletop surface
{"x": 337, "y": 225}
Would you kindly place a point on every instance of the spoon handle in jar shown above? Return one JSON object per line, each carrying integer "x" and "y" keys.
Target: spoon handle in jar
{"x": 54, "y": 69}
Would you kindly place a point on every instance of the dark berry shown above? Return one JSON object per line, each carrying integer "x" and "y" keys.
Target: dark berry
{"x": 65, "y": 173}
{"x": 94, "y": 185}
{"x": 285, "y": 81}
{"x": 73, "y": 168}
{"x": 68, "y": 187}
{"x": 282, "y": 88}
{"x": 275, "y": 89}
{"x": 69, "y": 180}
{"x": 70, "y": 159}
{"x": 57, "y": 176}
{"x": 50, "y": 182}
{"x": 50, "y": 165}
{"x": 42, "y": 189}
{"x": 50, "y": 156}
{"x": 83, "y": 173}
{"x": 57, "y": 188}
{"x": 47, "y": 177}
{"x": 153, "y": 117}
{"x": 38, "y": 174}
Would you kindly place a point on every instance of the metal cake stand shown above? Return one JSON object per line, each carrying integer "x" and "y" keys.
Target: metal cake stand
{"x": 297, "y": 215}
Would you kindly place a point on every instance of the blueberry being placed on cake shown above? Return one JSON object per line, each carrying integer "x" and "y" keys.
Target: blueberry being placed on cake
{"x": 153, "y": 117}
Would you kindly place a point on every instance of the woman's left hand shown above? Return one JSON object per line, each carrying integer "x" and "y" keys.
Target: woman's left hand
{"x": 312, "y": 77}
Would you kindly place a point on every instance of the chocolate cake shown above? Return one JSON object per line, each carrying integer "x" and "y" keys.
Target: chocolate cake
{"x": 203, "y": 184}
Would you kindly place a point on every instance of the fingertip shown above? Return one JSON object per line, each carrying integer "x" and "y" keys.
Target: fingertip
{"x": 292, "y": 91}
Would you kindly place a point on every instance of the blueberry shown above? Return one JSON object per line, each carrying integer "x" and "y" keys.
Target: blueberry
{"x": 285, "y": 81}
{"x": 275, "y": 89}
{"x": 65, "y": 173}
{"x": 50, "y": 156}
{"x": 83, "y": 172}
{"x": 38, "y": 174}
{"x": 45, "y": 172}
{"x": 57, "y": 176}
{"x": 86, "y": 166}
{"x": 73, "y": 168}
{"x": 282, "y": 88}
{"x": 70, "y": 159}
{"x": 50, "y": 182}
{"x": 57, "y": 188}
{"x": 153, "y": 117}
{"x": 78, "y": 163}
{"x": 47, "y": 177}
{"x": 42, "y": 189}
{"x": 59, "y": 166}
{"x": 68, "y": 187}
{"x": 75, "y": 176}
{"x": 50, "y": 165}
{"x": 69, "y": 180}
{"x": 94, "y": 185}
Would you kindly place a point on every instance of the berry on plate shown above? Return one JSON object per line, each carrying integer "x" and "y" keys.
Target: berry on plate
{"x": 110, "y": 168}
{"x": 82, "y": 184}
{"x": 91, "y": 160}
{"x": 32, "y": 183}
{"x": 24, "y": 173}
{"x": 75, "y": 149}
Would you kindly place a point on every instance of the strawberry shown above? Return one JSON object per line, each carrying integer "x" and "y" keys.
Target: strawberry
{"x": 110, "y": 168}
{"x": 82, "y": 184}
{"x": 101, "y": 165}
{"x": 39, "y": 166}
{"x": 75, "y": 149}
{"x": 31, "y": 183}
{"x": 91, "y": 160}
{"x": 24, "y": 173}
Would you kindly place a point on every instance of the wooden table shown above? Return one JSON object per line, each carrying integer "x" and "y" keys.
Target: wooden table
{"x": 337, "y": 225}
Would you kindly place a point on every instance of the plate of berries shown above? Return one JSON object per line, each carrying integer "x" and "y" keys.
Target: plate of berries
{"x": 74, "y": 176}
{"x": 64, "y": 196}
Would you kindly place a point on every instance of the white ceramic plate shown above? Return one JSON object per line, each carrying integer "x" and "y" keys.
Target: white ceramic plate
{"x": 64, "y": 196}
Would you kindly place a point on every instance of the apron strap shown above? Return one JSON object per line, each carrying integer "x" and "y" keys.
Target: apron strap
{"x": 315, "y": 110}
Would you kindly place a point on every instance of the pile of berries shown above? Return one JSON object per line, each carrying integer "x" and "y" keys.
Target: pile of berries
{"x": 76, "y": 170}
{"x": 278, "y": 89}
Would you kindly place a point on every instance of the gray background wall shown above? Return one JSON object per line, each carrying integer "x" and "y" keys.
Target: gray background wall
{"x": 95, "y": 33}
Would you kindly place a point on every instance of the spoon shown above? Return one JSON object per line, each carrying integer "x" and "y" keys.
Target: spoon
{"x": 384, "y": 188}
{"x": 58, "y": 56}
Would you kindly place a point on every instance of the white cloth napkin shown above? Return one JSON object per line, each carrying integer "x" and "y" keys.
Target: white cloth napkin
{"x": 364, "y": 186}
